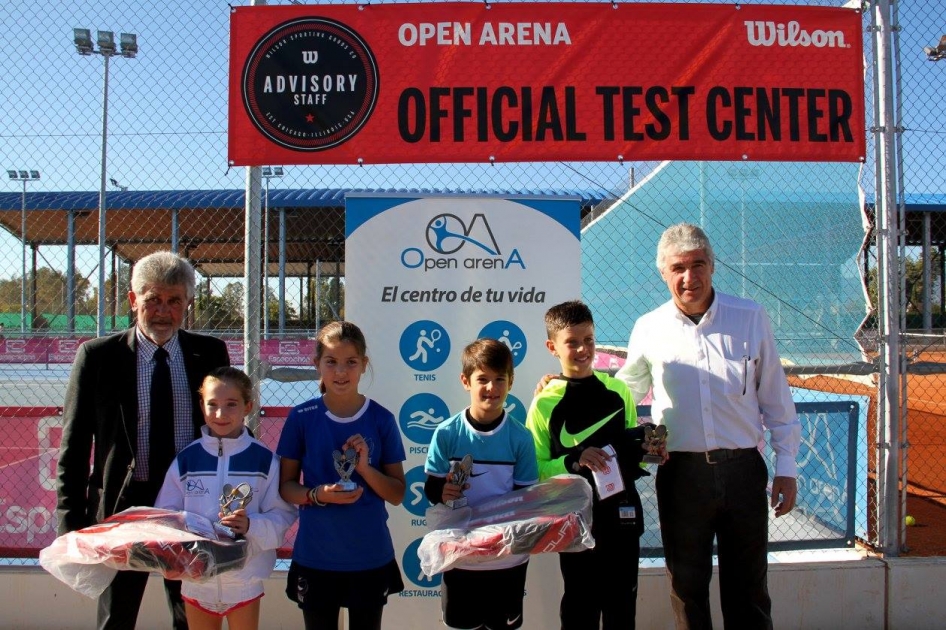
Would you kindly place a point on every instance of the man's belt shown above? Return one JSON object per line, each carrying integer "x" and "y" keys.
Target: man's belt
{"x": 717, "y": 456}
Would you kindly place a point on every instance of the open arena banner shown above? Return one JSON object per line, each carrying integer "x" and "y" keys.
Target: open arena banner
{"x": 475, "y": 82}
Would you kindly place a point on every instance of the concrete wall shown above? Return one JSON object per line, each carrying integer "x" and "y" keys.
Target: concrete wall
{"x": 861, "y": 594}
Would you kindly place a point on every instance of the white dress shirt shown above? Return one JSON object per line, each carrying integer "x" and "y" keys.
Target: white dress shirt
{"x": 716, "y": 384}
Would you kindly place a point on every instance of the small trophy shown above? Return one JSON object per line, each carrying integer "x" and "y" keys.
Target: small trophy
{"x": 231, "y": 500}
{"x": 345, "y": 466}
{"x": 459, "y": 474}
{"x": 654, "y": 441}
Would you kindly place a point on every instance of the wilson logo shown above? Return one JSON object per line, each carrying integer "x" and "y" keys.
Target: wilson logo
{"x": 310, "y": 56}
{"x": 792, "y": 34}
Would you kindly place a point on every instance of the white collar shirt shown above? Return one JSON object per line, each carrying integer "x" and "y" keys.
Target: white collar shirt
{"x": 716, "y": 384}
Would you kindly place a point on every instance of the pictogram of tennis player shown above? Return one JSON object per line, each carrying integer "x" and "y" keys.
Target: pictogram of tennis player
{"x": 425, "y": 341}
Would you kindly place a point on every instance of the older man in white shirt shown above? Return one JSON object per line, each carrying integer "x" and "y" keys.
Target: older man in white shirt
{"x": 718, "y": 385}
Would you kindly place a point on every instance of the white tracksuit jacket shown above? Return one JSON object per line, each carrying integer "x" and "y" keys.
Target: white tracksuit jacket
{"x": 194, "y": 483}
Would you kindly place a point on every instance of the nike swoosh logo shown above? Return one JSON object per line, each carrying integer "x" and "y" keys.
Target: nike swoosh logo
{"x": 574, "y": 439}
{"x": 513, "y": 621}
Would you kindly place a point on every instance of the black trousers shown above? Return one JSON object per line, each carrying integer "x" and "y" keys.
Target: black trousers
{"x": 699, "y": 501}
{"x": 600, "y": 584}
{"x": 119, "y": 603}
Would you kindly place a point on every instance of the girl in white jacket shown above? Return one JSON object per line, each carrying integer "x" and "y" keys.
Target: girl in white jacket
{"x": 226, "y": 454}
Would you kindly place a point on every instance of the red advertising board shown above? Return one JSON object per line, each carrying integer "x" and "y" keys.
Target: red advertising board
{"x": 28, "y": 462}
{"x": 277, "y": 352}
{"x": 62, "y": 350}
{"x": 474, "y": 82}
{"x": 24, "y": 350}
{"x": 28, "y": 478}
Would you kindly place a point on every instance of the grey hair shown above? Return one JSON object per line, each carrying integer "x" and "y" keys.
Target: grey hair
{"x": 163, "y": 268}
{"x": 682, "y": 238}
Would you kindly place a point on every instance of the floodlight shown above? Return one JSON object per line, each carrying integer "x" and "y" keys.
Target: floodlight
{"x": 106, "y": 48}
{"x": 23, "y": 175}
{"x": 106, "y": 41}
{"x": 83, "y": 39}
{"x": 129, "y": 44}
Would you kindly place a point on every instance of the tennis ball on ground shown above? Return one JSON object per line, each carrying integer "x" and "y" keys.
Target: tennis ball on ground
{"x": 910, "y": 521}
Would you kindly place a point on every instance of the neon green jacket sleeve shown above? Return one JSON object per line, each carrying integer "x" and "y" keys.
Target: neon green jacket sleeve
{"x": 537, "y": 421}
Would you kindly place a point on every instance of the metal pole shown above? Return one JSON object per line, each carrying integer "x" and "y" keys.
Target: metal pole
{"x": 102, "y": 203}
{"x": 23, "y": 260}
{"x": 113, "y": 312}
{"x": 71, "y": 271}
{"x": 33, "y": 285}
{"x": 890, "y": 290}
{"x": 282, "y": 271}
{"x": 927, "y": 276}
{"x": 266, "y": 261}
{"x": 252, "y": 363}
{"x": 175, "y": 231}
{"x": 742, "y": 237}
{"x": 251, "y": 297}
{"x": 318, "y": 295}
{"x": 897, "y": 133}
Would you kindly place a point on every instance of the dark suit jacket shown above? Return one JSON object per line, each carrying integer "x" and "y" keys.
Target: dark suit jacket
{"x": 101, "y": 407}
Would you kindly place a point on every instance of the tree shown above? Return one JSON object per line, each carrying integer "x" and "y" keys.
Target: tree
{"x": 328, "y": 297}
{"x": 913, "y": 282}
{"x": 51, "y": 295}
{"x": 272, "y": 308}
{"x": 221, "y": 311}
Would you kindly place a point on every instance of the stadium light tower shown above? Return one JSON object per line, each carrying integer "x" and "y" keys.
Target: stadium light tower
{"x": 128, "y": 43}
{"x": 25, "y": 177}
{"x": 268, "y": 173}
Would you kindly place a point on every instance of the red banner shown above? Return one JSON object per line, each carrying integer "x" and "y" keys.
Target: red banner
{"x": 28, "y": 461}
{"x": 474, "y": 82}
{"x": 277, "y": 352}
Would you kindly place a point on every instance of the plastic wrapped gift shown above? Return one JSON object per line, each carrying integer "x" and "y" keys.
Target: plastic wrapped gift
{"x": 178, "y": 545}
{"x": 551, "y": 516}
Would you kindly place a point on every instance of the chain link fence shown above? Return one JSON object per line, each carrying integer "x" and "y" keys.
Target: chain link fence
{"x": 789, "y": 235}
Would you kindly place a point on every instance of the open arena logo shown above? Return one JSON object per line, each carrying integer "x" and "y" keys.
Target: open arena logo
{"x": 447, "y": 234}
{"x": 310, "y": 84}
{"x": 792, "y": 34}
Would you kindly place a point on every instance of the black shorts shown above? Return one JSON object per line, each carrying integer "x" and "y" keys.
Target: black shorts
{"x": 312, "y": 588}
{"x": 471, "y": 599}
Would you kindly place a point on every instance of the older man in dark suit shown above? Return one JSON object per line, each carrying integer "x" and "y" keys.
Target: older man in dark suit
{"x": 134, "y": 396}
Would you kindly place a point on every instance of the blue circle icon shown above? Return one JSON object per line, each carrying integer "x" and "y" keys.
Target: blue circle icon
{"x": 420, "y": 415}
{"x": 515, "y": 409}
{"x": 410, "y": 564}
{"x": 415, "y": 501}
{"x": 424, "y": 345}
{"x": 510, "y": 334}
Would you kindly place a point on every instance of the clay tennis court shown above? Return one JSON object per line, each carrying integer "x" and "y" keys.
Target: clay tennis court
{"x": 925, "y": 452}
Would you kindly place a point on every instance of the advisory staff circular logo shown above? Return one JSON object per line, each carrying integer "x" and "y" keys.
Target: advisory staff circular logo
{"x": 310, "y": 84}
